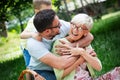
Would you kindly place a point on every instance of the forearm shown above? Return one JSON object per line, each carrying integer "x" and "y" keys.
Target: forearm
{"x": 26, "y": 35}
{"x": 74, "y": 66}
{"x": 93, "y": 61}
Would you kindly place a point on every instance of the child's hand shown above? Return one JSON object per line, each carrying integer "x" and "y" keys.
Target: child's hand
{"x": 36, "y": 36}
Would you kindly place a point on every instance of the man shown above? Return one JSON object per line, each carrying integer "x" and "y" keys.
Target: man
{"x": 30, "y": 30}
{"x": 42, "y": 60}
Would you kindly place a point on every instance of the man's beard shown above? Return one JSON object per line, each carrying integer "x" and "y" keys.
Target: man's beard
{"x": 52, "y": 36}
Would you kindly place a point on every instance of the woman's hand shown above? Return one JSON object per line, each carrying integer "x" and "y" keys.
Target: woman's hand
{"x": 63, "y": 47}
{"x": 77, "y": 51}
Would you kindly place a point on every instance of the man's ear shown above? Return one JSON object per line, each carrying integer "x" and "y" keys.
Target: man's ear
{"x": 47, "y": 31}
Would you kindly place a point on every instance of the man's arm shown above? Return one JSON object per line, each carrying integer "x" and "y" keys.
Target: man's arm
{"x": 85, "y": 41}
{"x": 61, "y": 62}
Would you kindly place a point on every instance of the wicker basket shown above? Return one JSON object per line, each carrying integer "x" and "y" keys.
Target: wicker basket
{"x": 35, "y": 75}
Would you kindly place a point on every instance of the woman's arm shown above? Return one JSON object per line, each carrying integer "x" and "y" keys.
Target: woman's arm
{"x": 93, "y": 61}
{"x": 80, "y": 61}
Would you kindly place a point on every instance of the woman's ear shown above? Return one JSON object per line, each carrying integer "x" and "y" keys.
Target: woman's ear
{"x": 86, "y": 32}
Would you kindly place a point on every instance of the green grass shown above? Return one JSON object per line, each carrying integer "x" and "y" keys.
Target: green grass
{"x": 11, "y": 59}
{"x": 10, "y": 47}
{"x": 10, "y": 70}
{"x": 106, "y": 44}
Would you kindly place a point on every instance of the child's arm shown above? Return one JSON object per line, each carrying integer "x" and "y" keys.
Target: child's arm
{"x": 27, "y": 34}
{"x": 30, "y": 31}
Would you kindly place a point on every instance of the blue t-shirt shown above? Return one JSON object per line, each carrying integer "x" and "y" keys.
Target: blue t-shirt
{"x": 38, "y": 49}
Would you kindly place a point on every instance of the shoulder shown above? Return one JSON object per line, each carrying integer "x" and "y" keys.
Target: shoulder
{"x": 64, "y": 22}
{"x": 31, "y": 19}
{"x": 34, "y": 43}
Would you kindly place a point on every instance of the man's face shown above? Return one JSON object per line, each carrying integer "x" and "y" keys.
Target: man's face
{"x": 55, "y": 29}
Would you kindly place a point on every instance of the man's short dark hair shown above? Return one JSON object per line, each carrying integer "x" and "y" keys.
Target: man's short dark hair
{"x": 43, "y": 19}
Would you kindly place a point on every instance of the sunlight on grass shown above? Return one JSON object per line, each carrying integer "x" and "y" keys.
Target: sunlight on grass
{"x": 10, "y": 45}
{"x": 110, "y": 15}
{"x": 11, "y": 56}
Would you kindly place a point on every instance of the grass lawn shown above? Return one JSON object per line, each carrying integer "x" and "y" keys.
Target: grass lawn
{"x": 106, "y": 44}
{"x": 106, "y": 41}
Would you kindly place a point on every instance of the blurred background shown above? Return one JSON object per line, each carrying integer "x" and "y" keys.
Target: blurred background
{"x": 14, "y": 15}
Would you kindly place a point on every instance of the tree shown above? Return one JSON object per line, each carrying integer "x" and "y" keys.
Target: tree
{"x": 10, "y": 7}
{"x": 62, "y": 12}
{"x": 19, "y": 10}
{"x": 4, "y": 5}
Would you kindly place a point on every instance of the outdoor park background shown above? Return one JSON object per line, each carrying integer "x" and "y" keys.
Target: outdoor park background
{"x": 15, "y": 14}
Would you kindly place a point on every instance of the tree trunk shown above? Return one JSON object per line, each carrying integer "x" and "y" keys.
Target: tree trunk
{"x": 119, "y": 3}
{"x": 3, "y": 30}
{"x": 68, "y": 14}
{"x": 21, "y": 25}
{"x": 83, "y": 7}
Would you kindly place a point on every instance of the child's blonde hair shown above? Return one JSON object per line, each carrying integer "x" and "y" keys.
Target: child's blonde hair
{"x": 38, "y": 3}
{"x": 83, "y": 19}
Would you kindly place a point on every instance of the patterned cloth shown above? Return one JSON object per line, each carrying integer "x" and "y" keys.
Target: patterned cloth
{"x": 112, "y": 75}
{"x": 82, "y": 73}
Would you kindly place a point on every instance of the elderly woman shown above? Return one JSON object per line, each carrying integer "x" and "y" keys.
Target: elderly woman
{"x": 87, "y": 59}
{"x": 82, "y": 69}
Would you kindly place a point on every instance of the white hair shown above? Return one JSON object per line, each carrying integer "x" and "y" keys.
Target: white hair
{"x": 83, "y": 19}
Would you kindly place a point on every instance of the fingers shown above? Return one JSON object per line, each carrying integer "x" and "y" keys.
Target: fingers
{"x": 63, "y": 46}
{"x": 62, "y": 51}
{"x": 93, "y": 54}
{"x": 61, "y": 41}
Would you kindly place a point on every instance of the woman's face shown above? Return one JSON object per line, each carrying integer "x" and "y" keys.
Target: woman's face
{"x": 77, "y": 31}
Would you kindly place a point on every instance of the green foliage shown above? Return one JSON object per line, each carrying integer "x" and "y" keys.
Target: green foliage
{"x": 14, "y": 7}
{"x": 110, "y": 3}
{"x": 10, "y": 9}
{"x": 3, "y": 40}
{"x": 57, "y": 3}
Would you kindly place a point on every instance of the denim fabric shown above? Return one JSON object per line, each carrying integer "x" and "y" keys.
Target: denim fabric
{"x": 26, "y": 57}
{"x": 48, "y": 75}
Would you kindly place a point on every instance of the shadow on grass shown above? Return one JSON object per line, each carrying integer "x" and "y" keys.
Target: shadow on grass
{"x": 10, "y": 70}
